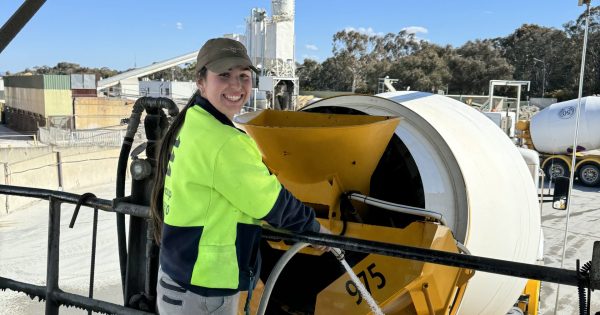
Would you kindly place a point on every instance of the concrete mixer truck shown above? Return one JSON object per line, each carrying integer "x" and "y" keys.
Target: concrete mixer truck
{"x": 442, "y": 156}
{"x": 551, "y": 133}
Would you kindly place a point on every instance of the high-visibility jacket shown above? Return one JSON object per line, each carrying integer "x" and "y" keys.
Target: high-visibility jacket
{"x": 217, "y": 190}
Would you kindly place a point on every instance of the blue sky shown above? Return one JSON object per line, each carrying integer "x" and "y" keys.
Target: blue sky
{"x": 122, "y": 33}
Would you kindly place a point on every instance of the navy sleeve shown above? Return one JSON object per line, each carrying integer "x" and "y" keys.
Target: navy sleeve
{"x": 291, "y": 214}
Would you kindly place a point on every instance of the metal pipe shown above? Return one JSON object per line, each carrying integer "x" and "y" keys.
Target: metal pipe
{"x": 573, "y": 157}
{"x": 52, "y": 260}
{"x": 59, "y": 170}
{"x": 425, "y": 289}
{"x": 98, "y": 306}
{"x": 497, "y": 266}
{"x": 17, "y": 21}
{"x": 46, "y": 194}
{"x": 68, "y": 299}
{"x": 397, "y": 207}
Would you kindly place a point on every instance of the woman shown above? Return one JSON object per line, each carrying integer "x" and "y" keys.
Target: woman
{"x": 211, "y": 191}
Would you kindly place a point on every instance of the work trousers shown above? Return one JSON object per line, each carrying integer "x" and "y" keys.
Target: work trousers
{"x": 173, "y": 299}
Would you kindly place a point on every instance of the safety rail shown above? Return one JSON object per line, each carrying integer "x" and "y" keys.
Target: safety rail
{"x": 92, "y": 137}
{"x": 55, "y": 297}
{"x": 51, "y": 292}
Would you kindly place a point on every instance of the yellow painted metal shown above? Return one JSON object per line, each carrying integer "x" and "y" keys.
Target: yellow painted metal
{"x": 400, "y": 286}
{"x": 320, "y": 156}
{"x": 564, "y": 158}
{"x": 58, "y": 103}
{"x": 531, "y": 305}
{"x": 593, "y": 159}
{"x": 308, "y": 148}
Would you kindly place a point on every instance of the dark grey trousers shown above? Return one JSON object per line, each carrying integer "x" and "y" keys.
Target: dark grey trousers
{"x": 173, "y": 299}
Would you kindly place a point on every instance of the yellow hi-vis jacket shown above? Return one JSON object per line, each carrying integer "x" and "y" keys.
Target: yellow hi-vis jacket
{"x": 217, "y": 189}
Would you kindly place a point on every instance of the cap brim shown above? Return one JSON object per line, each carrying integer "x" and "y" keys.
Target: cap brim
{"x": 224, "y": 64}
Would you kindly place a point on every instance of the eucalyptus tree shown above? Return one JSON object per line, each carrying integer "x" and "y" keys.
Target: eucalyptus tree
{"x": 474, "y": 64}
{"x": 353, "y": 48}
{"x": 575, "y": 30}
{"x": 545, "y": 56}
{"x": 308, "y": 74}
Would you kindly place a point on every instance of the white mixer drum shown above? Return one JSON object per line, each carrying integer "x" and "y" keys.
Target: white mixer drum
{"x": 473, "y": 174}
{"x": 553, "y": 129}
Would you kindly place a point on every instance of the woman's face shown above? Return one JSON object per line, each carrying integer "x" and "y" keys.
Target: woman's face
{"x": 227, "y": 91}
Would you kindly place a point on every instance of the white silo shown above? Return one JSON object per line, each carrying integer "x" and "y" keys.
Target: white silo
{"x": 271, "y": 46}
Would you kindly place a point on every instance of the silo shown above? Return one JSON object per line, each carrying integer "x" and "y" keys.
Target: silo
{"x": 283, "y": 8}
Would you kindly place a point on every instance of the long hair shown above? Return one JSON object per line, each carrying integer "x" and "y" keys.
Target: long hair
{"x": 162, "y": 163}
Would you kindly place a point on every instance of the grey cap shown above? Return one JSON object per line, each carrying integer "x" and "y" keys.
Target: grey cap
{"x": 221, "y": 54}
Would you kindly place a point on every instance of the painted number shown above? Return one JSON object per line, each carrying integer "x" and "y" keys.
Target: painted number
{"x": 372, "y": 274}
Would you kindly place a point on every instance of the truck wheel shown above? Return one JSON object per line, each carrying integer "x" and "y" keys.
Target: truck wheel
{"x": 589, "y": 174}
{"x": 555, "y": 168}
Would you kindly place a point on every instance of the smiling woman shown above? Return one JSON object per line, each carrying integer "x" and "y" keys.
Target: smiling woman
{"x": 211, "y": 192}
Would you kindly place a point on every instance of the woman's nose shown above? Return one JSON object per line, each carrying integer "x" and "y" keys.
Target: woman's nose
{"x": 235, "y": 81}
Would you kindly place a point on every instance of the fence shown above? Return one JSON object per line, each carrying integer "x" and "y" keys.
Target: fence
{"x": 92, "y": 137}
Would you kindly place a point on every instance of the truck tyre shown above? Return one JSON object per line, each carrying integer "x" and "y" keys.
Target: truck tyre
{"x": 555, "y": 168}
{"x": 589, "y": 174}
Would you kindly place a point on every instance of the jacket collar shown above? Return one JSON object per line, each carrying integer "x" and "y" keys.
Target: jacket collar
{"x": 207, "y": 106}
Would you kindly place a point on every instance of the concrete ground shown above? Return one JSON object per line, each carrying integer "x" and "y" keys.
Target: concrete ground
{"x": 23, "y": 236}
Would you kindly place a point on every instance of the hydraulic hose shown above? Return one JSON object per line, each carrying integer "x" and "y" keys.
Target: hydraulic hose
{"x": 285, "y": 258}
{"x": 264, "y": 300}
{"x": 134, "y": 121}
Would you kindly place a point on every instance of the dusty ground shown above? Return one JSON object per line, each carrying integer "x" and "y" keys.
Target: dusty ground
{"x": 584, "y": 220}
{"x": 23, "y": 237}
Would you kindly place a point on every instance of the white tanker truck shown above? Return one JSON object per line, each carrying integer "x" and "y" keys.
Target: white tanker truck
{"x": 551, "y": 133}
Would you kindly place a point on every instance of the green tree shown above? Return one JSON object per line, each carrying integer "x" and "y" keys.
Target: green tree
{"x": 575, "y": 29}
{"x": 529, "y": 44}
{"x": 425, "y": 70}
{"x": 353, "y": 49}
{"x": 474, "y": 64}
{"x": 308, "y": 74}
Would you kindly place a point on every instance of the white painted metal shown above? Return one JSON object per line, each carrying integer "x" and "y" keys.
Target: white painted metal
{"x": 270, "y": 40}
{"x": 474, "y": 175}
{"x": 283, "y": 8}
{"x": 517, "y": 84}
{"x": 144, "y": 71}
{"x": 552, "y": 129}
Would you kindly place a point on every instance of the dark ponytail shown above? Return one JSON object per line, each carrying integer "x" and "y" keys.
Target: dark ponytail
{"x": 162, "y": 162}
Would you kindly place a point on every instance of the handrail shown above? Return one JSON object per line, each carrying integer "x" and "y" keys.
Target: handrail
{"x": 55, "y": 296}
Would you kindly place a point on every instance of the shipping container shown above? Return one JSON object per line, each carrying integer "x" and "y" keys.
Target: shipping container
{"x": 83, "y": 81}
{"x": 46, "y": 81}
{"x": 44, "y": 102}
{"x": 89, "y": 81}
{"x": 76, "y": 81}
{"x": 84, "y": 92}
{"x": 57, "y": 82}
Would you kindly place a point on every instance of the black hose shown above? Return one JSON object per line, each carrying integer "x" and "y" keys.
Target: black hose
{"x": 139, "y": 106}
{"x": 120, "y": 193}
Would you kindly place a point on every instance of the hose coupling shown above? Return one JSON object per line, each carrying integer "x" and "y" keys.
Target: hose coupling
{"x": 338, "y": 253}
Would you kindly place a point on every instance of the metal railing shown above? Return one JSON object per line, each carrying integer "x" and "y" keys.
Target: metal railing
{"x": 55, "y": 297}
{"x": 92, "y": 137}
{"x": 51, "y": 292}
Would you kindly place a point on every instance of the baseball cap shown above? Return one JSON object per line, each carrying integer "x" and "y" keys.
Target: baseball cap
{"x": 221, "y": 54}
